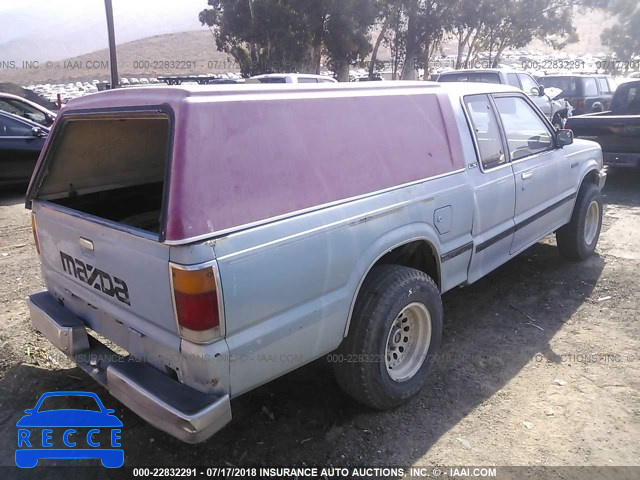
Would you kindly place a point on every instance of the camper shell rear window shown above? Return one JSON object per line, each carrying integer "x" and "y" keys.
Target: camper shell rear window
{"x": 109, "y": 165}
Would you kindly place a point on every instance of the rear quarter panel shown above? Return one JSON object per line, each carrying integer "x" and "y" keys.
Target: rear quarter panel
{"x": 289, "y": 286}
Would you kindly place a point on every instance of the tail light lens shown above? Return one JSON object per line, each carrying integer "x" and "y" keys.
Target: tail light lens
{"x": 197, "y": 308}
{"x": 35, "y": 232}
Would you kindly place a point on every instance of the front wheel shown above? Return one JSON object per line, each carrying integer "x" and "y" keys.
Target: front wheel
{"x": 577, "y": 240}
{"x": 394, "y": 335}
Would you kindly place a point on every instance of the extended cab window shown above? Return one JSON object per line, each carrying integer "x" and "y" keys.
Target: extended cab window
{"x": 486, "y": 131}
{"x": 526, "y": 132}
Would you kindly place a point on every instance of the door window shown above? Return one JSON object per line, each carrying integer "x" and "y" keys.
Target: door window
{"x": 527, "y": 134}
{"x": 13, "y": 128}
{"x": 486, "y": 131}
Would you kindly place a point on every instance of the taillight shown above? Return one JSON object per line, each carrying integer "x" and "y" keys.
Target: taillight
{"x": 195, "y": 296}
{"x": 35, "y": 232}
{"x": 581, "y": 104}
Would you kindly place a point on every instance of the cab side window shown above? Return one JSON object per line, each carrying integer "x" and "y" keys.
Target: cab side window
{"x": 485, "y": 129}
{"x": 526, "y": 132}
{"x": 13, "y": 128}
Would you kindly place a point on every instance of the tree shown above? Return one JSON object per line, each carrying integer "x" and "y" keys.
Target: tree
{"x": 435, "y": 17}
{"x": 263, "y": 36}
{"x": 395, "y": 37}
{"x": 496, "y": 25}
{"x": 387, "y": 10}
{"x": 624, "y": 36}
{"x": 291, "y": 35}
{"x": 347, "y": 34}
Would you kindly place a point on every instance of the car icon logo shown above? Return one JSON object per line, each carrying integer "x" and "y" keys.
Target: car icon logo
{"x": 52, "y": 430}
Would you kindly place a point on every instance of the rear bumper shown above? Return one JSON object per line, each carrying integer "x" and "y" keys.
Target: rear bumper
{"x": 181, "y": 411}
{"x": 622, "y": 160}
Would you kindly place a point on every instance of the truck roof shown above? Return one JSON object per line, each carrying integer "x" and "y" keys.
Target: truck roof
{"x": 176, "y": 94}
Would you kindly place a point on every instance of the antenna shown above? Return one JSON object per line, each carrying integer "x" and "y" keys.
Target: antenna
{"x": 113, "y": 60}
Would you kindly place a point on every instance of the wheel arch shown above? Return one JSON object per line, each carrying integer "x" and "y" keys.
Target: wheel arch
{"x": 419, "y": 251}
{"x": 590, "y": 176}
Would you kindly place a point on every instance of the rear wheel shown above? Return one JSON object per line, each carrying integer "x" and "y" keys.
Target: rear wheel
{"x": 395, "y": 332}
{"x": 578, "y": 239}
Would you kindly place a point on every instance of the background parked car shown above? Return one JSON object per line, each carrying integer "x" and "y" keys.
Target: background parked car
{"x": 20, "y": 143}
{"x": 22, "y": 107}
{"x": 585, "y": 93}
{"x": 556, "y": 110}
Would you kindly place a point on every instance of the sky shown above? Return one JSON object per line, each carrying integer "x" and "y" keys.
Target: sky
{"x": 57, "y": 29}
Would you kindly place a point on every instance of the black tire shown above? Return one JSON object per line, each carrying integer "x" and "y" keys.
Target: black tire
{"x": 359, "y": 366}
{"x": 571, "y": 238}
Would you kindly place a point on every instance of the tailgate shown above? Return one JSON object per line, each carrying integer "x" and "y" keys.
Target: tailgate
{"x": 106, "y": 272}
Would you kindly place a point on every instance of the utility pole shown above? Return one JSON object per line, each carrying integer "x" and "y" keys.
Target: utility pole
{"x": 113, "y": 60}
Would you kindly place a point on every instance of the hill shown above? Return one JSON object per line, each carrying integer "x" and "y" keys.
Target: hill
{"x": 194, "y": 52}
{"x": 46, "y": 30}
{"x": 181, "y": 53}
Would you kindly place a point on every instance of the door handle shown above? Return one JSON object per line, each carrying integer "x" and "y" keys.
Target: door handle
{"x": 527, "y": 175}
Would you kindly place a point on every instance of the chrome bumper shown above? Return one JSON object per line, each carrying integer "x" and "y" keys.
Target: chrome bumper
{"x": 181, "y": 411}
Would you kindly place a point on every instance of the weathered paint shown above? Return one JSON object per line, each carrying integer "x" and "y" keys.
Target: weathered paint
{"x": 242, "y": 159}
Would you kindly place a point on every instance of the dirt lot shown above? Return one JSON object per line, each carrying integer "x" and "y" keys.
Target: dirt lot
{"x": 540, "y": 365}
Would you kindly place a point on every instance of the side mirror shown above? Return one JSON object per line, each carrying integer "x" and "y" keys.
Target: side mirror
{"x": 37, "y": 132}
{"x": 535, "y": 91}
{"x": 565, "y": 137}
{"x": 29, "y": 411}
{"x": 541, "y": 90}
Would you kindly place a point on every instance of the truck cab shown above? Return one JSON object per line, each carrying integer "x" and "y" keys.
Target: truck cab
{"x": 556, "y": 110}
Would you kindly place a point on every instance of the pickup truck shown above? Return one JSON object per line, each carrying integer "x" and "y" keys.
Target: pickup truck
{"x": 616, "y": 130}
{"x": 197, "y": 242}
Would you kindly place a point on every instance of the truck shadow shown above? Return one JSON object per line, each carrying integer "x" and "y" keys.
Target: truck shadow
{"x": 622, "y": 187}
{"x": 12, "y": 194}
{"x": 493, "y": 329}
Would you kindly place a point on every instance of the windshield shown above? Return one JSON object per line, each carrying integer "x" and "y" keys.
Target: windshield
{"x": 66, "y": 402}
{"x": 627, "y": 99}
{"x": 23, "y": 110}
{"x": 568, "y": 85}
{"x": 481, "y": 77}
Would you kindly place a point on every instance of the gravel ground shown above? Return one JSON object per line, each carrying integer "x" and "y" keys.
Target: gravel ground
{"x": 540, "y": 365}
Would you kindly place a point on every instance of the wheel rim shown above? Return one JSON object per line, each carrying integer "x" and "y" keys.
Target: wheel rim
{"x": 408, "y": 342}
{"x": 591, "y": 223}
